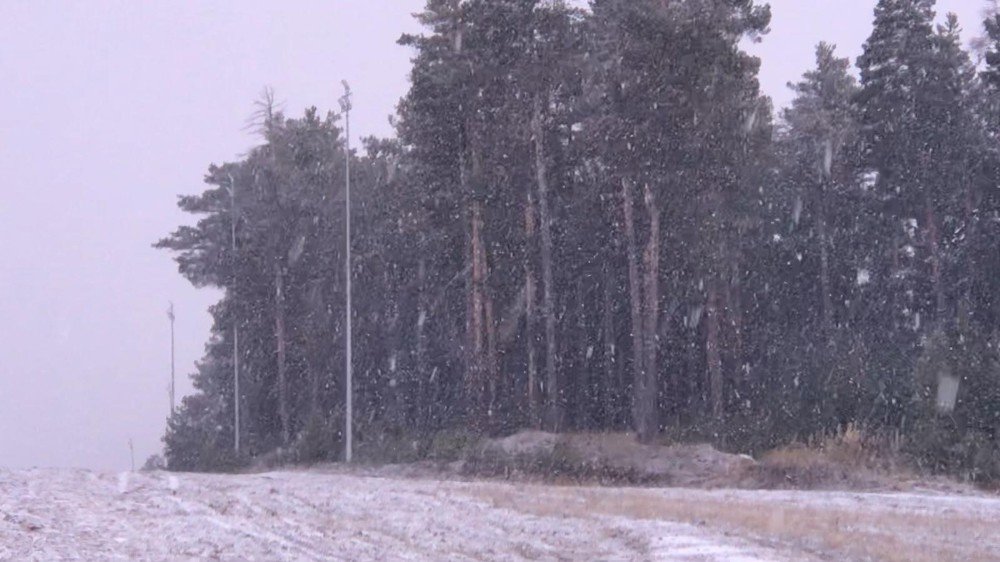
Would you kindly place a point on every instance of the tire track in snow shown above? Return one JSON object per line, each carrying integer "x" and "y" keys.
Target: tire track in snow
{"x": 246, "y": 526}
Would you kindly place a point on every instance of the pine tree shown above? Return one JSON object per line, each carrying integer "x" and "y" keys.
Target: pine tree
{"x": 282, "y": 261}
{"x": 670, "y": 122}
{"x": 894, "y": 73}
{"x": 820, "y": 240}
{"x": 589, "y": 221}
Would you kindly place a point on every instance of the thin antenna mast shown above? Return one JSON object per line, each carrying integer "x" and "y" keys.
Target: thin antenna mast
{"x": 345, "y": 106}
{"x": 236, "y": 326}
{"x": 170, "y": 315}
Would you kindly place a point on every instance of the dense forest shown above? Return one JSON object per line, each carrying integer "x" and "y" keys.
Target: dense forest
{"x": 593, "y": 220}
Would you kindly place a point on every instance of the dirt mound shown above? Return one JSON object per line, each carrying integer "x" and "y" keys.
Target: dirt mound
{"x": 607, "y": 457}
{"x": 525, "y": 443}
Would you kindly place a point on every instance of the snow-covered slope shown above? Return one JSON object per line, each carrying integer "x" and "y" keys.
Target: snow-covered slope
{"x": 298, "y": 515}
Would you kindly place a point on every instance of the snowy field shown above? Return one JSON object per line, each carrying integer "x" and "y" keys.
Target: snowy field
{"x": 299, "y": 515}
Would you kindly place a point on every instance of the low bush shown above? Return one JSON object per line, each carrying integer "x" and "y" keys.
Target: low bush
{"x": 153, "y": 463}
{"x": 451, "y": 445}
{"x": 850, "y": 458}
{"x": 319, "y": 441}
{"x": 938, "y": 446}
{"x": 377, "y": 444}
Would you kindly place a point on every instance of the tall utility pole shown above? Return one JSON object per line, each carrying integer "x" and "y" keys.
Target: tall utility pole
{"x": 170, "y": 315}
{"x": 236, "y": 327}
{"x": 345, "y": 106}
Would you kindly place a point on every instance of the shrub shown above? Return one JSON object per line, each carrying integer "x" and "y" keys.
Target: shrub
{"x": 852, "y": 457}
{"x": 197, "y": 439}
{"x": 451, "y": 444}
{"x": 939, "y": 445}
{"x": 319, "y": 441}
{"x": 799, "y": 467}
{"x": 381, "y": 444}
{"x": 154, "y": 462}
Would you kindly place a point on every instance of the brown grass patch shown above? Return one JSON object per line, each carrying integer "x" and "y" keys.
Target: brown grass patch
{"x": 855, "y": 532}
{"x": 804, "y": 468}
{"x": 851, "y": 459}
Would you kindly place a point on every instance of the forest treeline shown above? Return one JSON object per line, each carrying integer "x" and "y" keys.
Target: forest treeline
{"x": 594, "y": 220}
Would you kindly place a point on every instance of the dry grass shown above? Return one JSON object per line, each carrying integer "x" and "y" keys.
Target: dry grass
{"x": 810, "y": 469}
{"x": 858, "y": 447}
{"x": 852, "y": 532}
{"x": 851, "y": 459}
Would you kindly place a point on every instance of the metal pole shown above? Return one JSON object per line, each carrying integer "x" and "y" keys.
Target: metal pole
{"x": 170, "y": 314}
{"x": 236, "y": 328}
{"x": 345, "y": 104}
{"x": 236, "y": 384}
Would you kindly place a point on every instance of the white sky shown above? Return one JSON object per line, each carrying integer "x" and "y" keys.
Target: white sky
{"x": 109, "y": 109}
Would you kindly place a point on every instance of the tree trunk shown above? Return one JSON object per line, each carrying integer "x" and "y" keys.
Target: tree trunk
{"x": 492, "y": 358}
{"x": 279, "y": 335}
{"x": 314, "y": 386}
{"x": 736, "y": 314}
{"x": 422, "y": 364}
{"x": 612, "y": 384}
{"x": 713, "y": 354}
{"x": 553, "y": 390}
{"x": 824, "y": 268}
{"x": 534, "y": 403}
{"x": 933, "y": 241}
{"x": 577, "y": 395}
{"x": 396, "y": 407}
{"x": 472, "y": 351}
{"x": 646, "y": 387}
{"x": 475, "y": 322}
{"x": 635, "y": 298}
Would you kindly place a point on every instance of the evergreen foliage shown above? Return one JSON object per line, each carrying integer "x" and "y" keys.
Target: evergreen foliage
{"x": 591, "y": 220}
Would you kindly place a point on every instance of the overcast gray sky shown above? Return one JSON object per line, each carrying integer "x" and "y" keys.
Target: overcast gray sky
{"x": 109, "y": 109}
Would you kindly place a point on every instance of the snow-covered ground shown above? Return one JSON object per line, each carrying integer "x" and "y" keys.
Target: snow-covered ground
{"x": 301, "y": 515}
